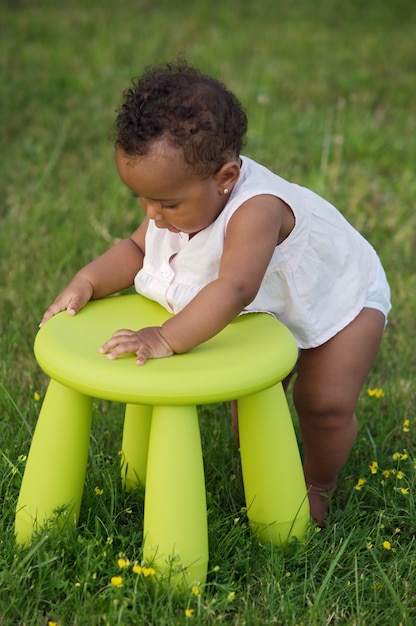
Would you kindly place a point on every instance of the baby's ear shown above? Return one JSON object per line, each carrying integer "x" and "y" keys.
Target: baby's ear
{"x": 227, "y": 176}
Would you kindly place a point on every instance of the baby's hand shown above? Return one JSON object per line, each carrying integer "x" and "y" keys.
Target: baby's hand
{"x": 147, "y": 343}
{"x": 71, "y": 299}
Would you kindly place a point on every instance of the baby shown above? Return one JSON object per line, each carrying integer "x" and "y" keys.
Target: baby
{"x": 223, "y": 235}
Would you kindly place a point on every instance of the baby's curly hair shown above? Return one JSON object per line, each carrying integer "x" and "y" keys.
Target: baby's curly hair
{"x": 193, "y": 112}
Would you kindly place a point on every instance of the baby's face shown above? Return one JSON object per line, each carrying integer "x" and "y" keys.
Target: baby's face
{"x": 169, "y": 193}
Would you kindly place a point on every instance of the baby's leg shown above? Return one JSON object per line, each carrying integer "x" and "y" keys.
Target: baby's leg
{"x": 325, "y": 394}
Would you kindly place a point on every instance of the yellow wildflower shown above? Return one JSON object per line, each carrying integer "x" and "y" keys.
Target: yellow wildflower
{"x": 387, "y": 545}
{"x": 396, "y": 456}
{"x": 386, "y": 473}
{"x": 189, "y": 612}
{"x": 36, "y": 397}
{"x": 404, "y": 490}
{"x": 399, "y": 475}
{"x": 117, "y": 581}
{"x": 98, "y": 491}
{"x": 137, "y": 569}
{"x": 231, "y": 595}
{"x": 148, "y": 571}
{"x": 373, "y": 467}
{"x": 406, "y": 425}
{"x": 195, "y": 590}
{"x": 122, "y": 562}
{"x": 360, "y": 483}
{"x": 375, "y": 393}
{"x": 263, "y": 99}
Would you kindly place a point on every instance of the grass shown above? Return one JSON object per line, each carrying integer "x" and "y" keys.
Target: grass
{"x": 329, "y": 89}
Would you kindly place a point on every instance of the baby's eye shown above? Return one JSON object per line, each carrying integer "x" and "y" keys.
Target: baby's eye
{"x": 169, "y": 206}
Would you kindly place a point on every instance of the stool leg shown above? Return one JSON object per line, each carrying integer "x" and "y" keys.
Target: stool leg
{"x": 274, "y": 485}
{"x": 175, "y": 515}
{"x": 56, "y": 464}
{"x": 135, "y": 445}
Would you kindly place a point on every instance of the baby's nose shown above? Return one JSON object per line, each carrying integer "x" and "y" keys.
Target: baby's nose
{"x": 153, "y": 211}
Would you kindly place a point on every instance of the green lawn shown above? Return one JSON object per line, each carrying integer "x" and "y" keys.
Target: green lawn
{"x": 330, "y": 90}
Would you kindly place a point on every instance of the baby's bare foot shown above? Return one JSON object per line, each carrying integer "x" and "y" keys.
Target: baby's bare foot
{"x": 319, "y": 497}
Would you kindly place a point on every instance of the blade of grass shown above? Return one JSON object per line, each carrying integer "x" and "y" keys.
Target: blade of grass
{"x": 54, "y": 157}
{"x": 329, "y": 574}
{"x": 394, "y": 594}
{"x": 10, "y": 399}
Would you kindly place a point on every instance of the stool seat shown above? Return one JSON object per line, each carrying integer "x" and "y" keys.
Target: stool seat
{"x": 224, "y": 368}
{"x": 161, "y": 446}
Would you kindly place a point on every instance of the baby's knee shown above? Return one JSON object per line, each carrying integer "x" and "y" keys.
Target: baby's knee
{"x": 325, "y": 409}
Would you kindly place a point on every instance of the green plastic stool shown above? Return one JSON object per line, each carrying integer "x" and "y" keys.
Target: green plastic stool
{"x": 161, "y": 445}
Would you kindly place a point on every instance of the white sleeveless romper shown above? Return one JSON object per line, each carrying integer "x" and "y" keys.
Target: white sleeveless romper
{"x": 318, "y": 280}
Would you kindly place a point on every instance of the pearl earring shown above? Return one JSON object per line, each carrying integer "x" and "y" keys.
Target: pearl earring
{"x": 225, "y": 190}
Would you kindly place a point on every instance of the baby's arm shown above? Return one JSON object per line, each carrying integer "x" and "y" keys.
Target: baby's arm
{"x": 111, "y": 272}
{"x": 252, "y": 236}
